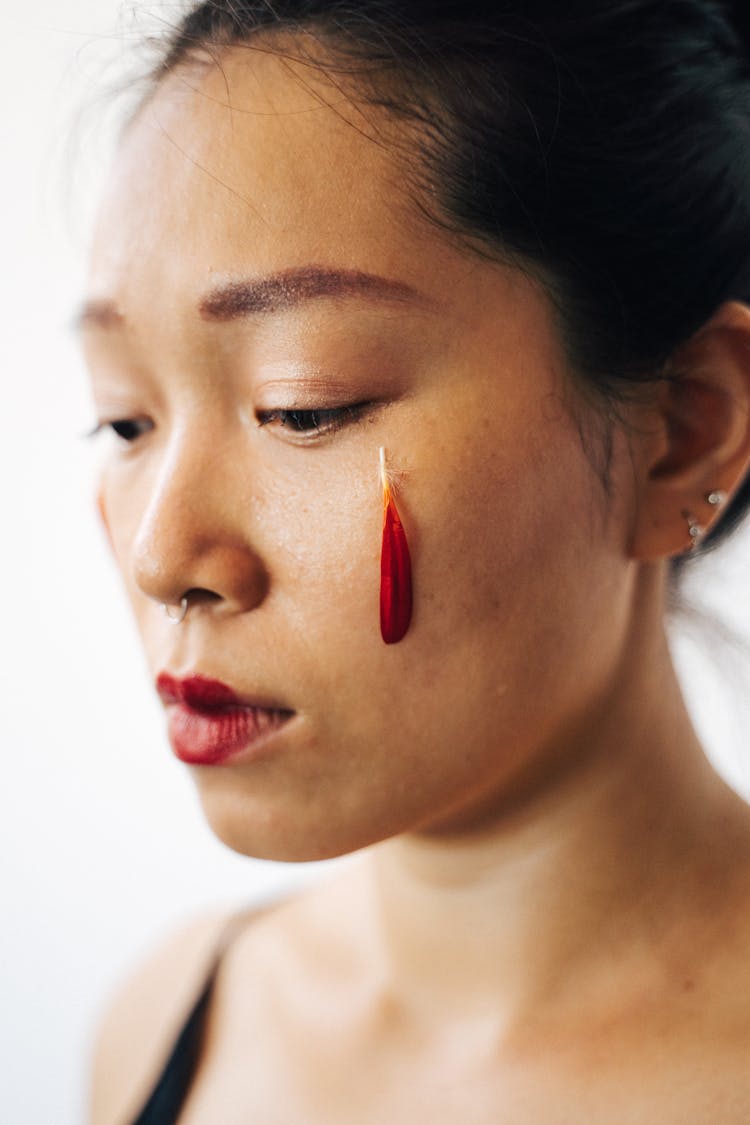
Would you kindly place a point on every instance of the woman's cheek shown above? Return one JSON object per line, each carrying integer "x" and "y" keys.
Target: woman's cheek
{"x": 101, "y": 510}
{"x": 321, "y": 542}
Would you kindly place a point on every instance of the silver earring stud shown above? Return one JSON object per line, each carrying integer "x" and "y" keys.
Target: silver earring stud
{"x": 181, "y": 614}
{"x": 694, "y": 528}
{"x": 716, "y": 498}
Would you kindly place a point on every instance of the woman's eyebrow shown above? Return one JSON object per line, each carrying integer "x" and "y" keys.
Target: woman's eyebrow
{"x": 280, "y": 291}
{"x": 276, "y": 292}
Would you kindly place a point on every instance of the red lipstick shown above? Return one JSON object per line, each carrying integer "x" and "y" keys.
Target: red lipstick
{"x": 209, "y": 723}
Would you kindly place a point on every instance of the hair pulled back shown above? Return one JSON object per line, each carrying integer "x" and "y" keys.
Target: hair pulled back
{"x": 605, "y": 143}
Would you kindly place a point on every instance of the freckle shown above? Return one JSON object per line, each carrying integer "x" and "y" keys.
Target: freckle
{"x": 688, "y": 985}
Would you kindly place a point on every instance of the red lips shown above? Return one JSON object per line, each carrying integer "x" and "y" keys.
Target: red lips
{"x": 209, "y": 723}
{"x": 196, "y": 691}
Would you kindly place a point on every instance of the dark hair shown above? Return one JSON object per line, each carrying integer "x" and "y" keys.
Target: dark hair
{"x": 603, "y": 143}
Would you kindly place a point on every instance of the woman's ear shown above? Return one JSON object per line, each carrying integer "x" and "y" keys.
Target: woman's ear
{"x": 696, "y": 449}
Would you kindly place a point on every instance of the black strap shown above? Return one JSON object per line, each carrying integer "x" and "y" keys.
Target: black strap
{"x": 168, "y": 1095}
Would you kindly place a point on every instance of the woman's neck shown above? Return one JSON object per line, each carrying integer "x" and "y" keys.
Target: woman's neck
{"x": 616, "y": 866}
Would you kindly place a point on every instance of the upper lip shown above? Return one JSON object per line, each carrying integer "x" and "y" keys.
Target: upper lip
{"x": 203, "y": 693}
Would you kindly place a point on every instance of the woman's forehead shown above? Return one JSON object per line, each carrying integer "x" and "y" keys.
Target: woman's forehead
{"x": 254, "y": 129}
{"x": 244, "y": 169}
{"x": 243, "y": 159}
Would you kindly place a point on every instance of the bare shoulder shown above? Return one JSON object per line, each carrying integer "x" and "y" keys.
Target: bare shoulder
{"x": 144, "y": 1015}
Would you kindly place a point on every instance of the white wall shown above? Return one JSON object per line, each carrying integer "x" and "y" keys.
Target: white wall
{"x": 102, "y": 844}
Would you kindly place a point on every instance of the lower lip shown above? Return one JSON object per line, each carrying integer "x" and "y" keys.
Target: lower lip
{"x": 211, "y": 738}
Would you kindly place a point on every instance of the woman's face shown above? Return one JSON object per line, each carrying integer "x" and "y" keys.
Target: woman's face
{"x": 226, "y": 291}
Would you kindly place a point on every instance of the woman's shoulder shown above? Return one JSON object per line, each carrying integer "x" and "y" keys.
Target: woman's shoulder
{"x": 145, "y": 1013}
{"x": 255, "y": 949}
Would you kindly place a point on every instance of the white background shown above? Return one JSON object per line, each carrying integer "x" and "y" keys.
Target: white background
{"x": 102, "y": 844}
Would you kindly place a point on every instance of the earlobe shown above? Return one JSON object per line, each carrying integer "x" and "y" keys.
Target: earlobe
{"x": 703, "y": 452}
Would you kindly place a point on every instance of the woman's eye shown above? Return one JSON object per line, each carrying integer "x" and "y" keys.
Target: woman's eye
{"x": 312, "y": 422}
{"x": 126, "y": 429}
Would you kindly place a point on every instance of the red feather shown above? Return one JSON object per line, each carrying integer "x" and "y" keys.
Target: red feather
{"x": 395, "y": 575}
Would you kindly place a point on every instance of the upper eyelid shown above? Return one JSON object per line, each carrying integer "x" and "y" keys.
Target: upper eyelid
{"x": 343, "y": 415}
{"x": 334, "y": 408}
{"x": 120, "y": 419}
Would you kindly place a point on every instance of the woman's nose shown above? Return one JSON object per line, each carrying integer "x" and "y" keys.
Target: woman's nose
{"x": 194, "y": 537}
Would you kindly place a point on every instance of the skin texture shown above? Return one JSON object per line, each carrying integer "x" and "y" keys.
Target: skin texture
{"x": 551, "y": 866}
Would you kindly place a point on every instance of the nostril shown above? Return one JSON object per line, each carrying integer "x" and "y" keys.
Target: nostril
{"x": 199, "y": 595}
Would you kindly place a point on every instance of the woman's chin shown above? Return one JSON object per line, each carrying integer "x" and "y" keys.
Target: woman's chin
{"x": 260, "y": 832}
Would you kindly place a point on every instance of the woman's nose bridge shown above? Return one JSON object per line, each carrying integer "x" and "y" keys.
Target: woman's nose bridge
{"x": 190, "y": 535}
{"x": 181, "y": 488}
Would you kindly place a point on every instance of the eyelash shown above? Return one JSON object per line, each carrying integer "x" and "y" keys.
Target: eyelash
{"x": 314, "y": 423}
{"x": 305, "y": 423}
{"x": 126, "y": 429}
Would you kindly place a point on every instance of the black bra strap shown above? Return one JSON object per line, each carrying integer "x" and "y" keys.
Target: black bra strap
{"x": 168, "y": 1095}
{"x": 167, "y": 1098}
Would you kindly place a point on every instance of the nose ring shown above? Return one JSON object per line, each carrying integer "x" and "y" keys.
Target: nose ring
{"x": 181, "y": 614}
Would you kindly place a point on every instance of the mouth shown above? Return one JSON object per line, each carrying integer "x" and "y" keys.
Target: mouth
{"x": 210, "y": 724}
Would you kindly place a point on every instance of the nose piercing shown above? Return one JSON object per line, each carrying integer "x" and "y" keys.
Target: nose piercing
{"x": 181, "y": 615}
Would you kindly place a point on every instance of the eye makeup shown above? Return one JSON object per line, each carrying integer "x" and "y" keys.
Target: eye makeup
{"x": 313, "y": 423}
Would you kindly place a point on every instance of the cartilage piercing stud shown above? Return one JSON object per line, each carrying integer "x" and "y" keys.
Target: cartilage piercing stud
{"x": 694, "y": 528}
